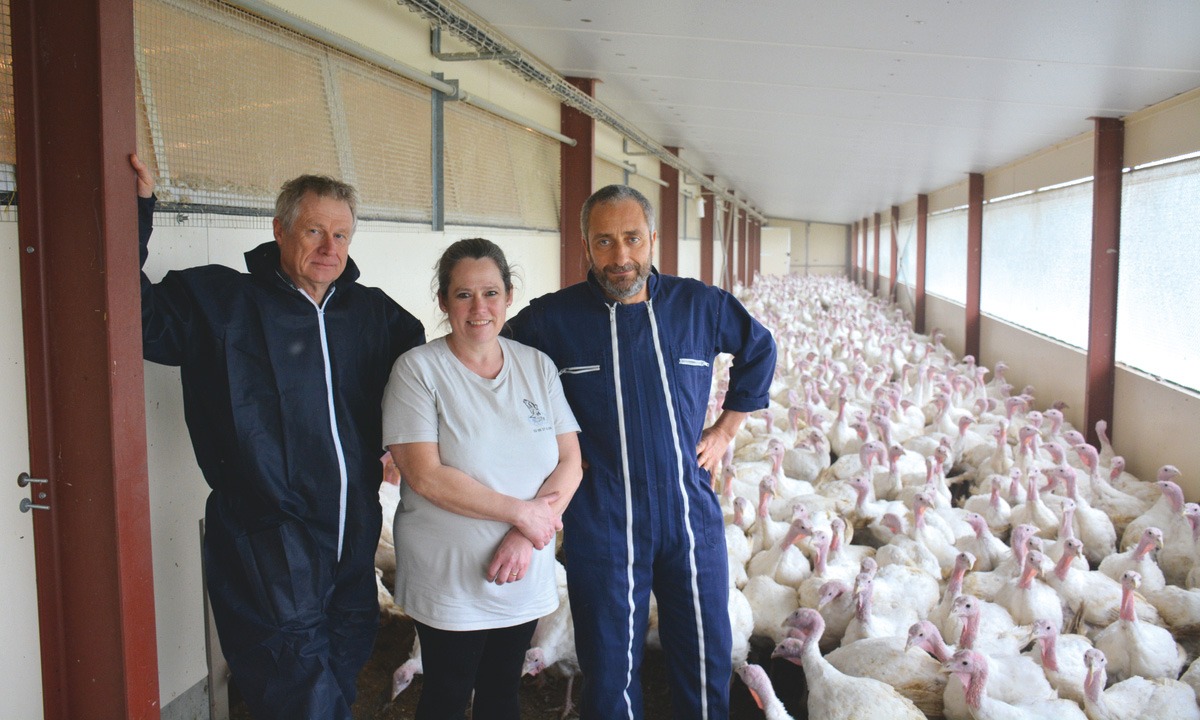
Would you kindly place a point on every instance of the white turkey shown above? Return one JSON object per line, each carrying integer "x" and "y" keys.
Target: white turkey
{"x": 1140, "y": 559}
{"x": 834, "y": 695}
{"x": 971, "y": 669}
{"x": 1061, "y": 658}
{"x": 1135, "y": 697}
{"x": 759, "y": 684}
{"x": 1138, "y": 648}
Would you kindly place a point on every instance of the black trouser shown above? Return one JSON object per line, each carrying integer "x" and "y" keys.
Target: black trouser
{"x": 486, "y": 661}
{"x": 295, "y": 631}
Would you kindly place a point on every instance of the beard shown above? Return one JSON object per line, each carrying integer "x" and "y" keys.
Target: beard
{"x": 621, "y": 290}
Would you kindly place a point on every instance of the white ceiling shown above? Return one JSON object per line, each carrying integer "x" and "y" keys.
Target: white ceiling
{"x": 823, "y": 110}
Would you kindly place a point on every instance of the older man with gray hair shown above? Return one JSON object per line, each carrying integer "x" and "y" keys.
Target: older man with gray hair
{"x": 283, "y": 372}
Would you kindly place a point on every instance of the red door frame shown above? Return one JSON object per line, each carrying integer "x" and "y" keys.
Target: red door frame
{"x": 73, "y": 86}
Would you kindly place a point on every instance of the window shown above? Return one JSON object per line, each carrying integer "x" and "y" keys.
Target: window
{"x": 946, "y": 255}
{"x": 1157, "y": 301}
{"x": 1036, "y": 261}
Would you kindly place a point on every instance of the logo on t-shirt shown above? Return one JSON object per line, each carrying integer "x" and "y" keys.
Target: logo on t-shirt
{"x": 536, "y": 418}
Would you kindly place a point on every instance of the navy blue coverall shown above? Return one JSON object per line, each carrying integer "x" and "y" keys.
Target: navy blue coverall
{"x": 645, "y": 517}
{"x": 282, "y": 402}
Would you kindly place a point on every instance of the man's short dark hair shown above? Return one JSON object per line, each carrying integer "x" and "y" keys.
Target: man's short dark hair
{"x": 611, "y": 194}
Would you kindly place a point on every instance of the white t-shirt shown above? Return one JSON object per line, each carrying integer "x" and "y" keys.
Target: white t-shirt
{"x": 501, "y": 432}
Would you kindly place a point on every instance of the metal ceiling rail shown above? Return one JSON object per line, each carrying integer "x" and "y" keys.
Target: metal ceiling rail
{"x": 475, "y": 31}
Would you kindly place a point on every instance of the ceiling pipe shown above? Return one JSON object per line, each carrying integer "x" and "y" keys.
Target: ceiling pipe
{"x": 475, "y": 31}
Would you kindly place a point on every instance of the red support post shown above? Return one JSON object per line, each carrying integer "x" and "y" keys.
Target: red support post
{"x": 706, "y": 234}
{"x": 853, "y": 269}
{"x": 668, "y": 219}
{"x": 744, "y": 265}
{"x": 866, "y": 245}
{"x": 757, "y": 248}
{"x": 727, "y": 245}
{"x": 974, "y": 262}
{"x": 895, "y": 222}
{"x": 575, "y": 164}
{"x": 1106, "y": 244}
{"x": 876, "y": 287}
{"x": 919, "y": 284}
{"x": 74, "y": 101}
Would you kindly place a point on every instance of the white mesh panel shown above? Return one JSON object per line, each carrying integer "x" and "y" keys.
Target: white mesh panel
{"x": 1157, "y": 302}
{"x": 388, "y": 126}
{"x": 1036, "y": 255}
{"x": 605, "y": 173}
{"x": 652, "y": 190}
{"x": 498, "y": 173}
{"x": 235, "y": 105}
{"x": 8, "y": 132}
{"x": 946, "y": 255}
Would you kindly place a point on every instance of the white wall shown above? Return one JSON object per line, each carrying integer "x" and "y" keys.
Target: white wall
{"x": 20, "y": 652}
{"x": 776, "y": 250}
{"x": 816, "y": 248}
{"x": 689, "y": 258}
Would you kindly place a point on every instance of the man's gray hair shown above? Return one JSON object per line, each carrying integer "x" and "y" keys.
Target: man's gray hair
{"x": 287, "y": 205}
{"x": 611, "y": 194}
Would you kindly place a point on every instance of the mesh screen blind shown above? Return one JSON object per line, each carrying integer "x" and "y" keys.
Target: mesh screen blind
{"x": 8, "y": 132}
{"x": 1157, "y": 303}
{"x": 231, "y": 106}
{"x": 1036, "y": 254}
{"x": 235, "y": 106}
{"x": 605, "y": 173}
{"x": 946, "y": 255}
{"x": 498, "y": 173}
{"x": 652, "y": 190}
{"x": 388, "y": 126}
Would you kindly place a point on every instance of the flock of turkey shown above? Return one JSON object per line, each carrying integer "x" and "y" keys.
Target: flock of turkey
{"x": 924, "y": 542}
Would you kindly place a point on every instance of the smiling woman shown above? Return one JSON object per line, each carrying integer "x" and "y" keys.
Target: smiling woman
{"x": 476, "y": 304}
{"x": 485, "y": 441}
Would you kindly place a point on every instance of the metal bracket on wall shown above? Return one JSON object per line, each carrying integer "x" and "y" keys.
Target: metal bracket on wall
{"x": 435, "y": 49}
{"x": 626, "y": 148}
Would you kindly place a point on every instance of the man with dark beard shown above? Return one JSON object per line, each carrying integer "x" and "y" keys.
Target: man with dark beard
{"x": 635, "y": 350}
